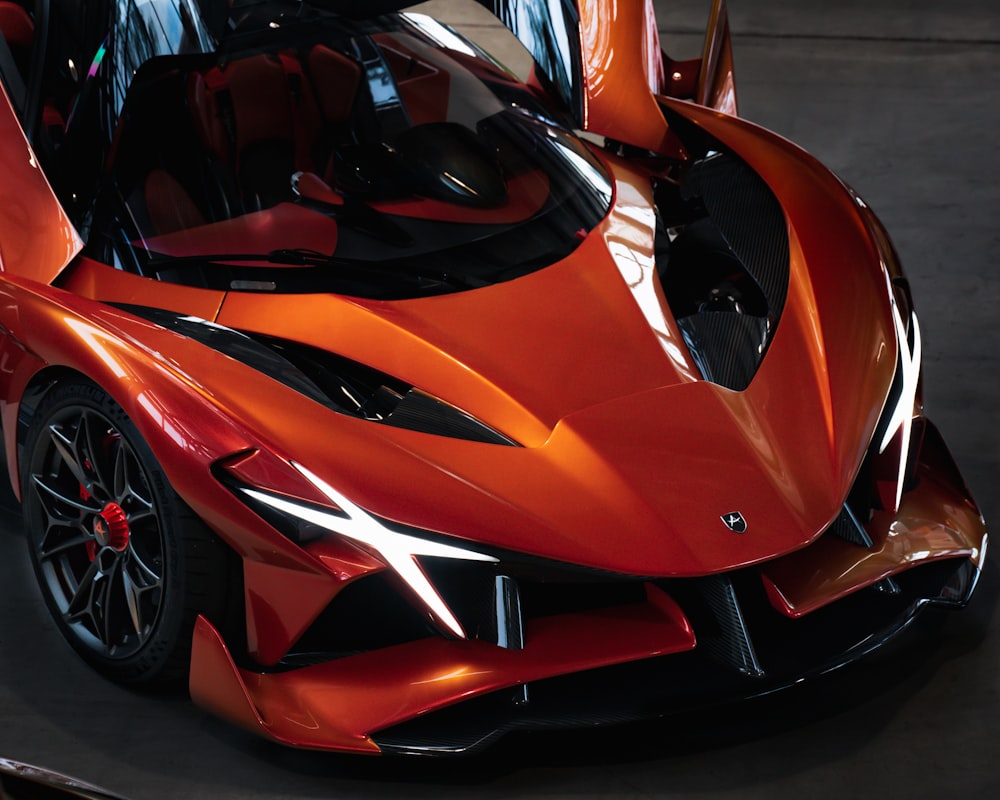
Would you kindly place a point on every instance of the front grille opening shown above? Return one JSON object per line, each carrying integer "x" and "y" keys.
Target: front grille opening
{"x": 844, "y": 629}
{"x": 655, "y": 687}
{"x": 737, "y": 627}
{"x": 469, "y": 590}
{"x": 550, "y": 598}
{"x": 369, "y": 614}
{"x": 372, "y": 614}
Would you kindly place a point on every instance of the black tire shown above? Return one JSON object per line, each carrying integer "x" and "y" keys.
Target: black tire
{"x": 124, "y": 565}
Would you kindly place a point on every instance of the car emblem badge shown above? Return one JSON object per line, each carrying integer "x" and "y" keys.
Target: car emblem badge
{"x": 735, "y": 522}
{"x": 100, "y": 531}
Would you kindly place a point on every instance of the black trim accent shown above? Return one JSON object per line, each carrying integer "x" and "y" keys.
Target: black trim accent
{"x": 39, "y": 53}
{"x": 849, "y": 528}
{"x": 789, "y": 650}
{"x": 417, "y": 411}
{"x": 749, "y": 216}
{"x": 723, "y": 258}
{"x": 726, "y": 347}
{"x": 507, "y": 613}
{"x": 335, "y": 382}
{"x": 732, "y": 645}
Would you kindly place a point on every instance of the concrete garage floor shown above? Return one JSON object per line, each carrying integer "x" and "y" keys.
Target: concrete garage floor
{"x": 900, "y": 98}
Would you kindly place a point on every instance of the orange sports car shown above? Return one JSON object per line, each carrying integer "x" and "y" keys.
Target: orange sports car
{"x": 344, "y": 377}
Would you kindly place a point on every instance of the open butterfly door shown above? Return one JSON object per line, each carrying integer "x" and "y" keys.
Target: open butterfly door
{"x": 716, "y": 87}
{"x": 36, "y": 237}
{"x": 603, "y": 59}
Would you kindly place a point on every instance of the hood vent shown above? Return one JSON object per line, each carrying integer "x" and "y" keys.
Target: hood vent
{"x": 338, "y": 383}
{"x": 723, "y": 258}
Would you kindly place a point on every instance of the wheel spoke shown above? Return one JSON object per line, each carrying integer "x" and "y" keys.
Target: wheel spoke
{"x": 142, "y": 514}
{"x": 46, "y": 553}
{"x": 117, "y": 604}
{"x": 66, "y": 519}
{"x": 133, "y": 596}
{"x": 91, "y": 439}
{"x": 67, "y": 450}
{"x": 47, "y": 494}
{"x": 82, "y": 603}
{"x": 129, "y": 485}
{"x": 120, "y": 482}
{"x": 145, "y": 575}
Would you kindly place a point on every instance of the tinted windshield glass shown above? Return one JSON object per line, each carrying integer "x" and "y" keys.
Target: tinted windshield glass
{"x": 146, "y": 29}
{"x": 294, "y": 150}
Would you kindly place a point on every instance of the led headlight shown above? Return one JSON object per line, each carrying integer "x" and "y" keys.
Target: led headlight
{"x": 894, "y": 429}
{"x": 303, "y": 521}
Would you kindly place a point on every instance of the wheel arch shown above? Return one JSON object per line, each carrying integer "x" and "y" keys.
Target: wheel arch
{"x": 144, "y": 406}
{"x": 51, "y": 337}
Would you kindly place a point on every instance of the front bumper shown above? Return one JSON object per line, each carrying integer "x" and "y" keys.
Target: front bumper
{"x": 662, "y": 646}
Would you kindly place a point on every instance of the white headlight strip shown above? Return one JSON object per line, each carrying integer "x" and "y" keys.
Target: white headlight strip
{"x": 902, "y": 413}
{"x": 397, "y": 550}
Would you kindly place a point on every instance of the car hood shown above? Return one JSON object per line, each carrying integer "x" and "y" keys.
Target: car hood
{"x": 629, "y": 461}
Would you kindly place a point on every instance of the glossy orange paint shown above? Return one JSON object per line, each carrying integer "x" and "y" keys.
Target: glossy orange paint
{"x": 117, "y": 351}
{"x": 276, "y": 617}
{"x": 716, "y": 86}
{"x": 97, "y": 281}
{"x": 624, "y": 68}
{"x": 627, "y": 460}
{"x": 936, "y": 520}
{"x": 838, "y": 315}
{"x": 337, "y": 705}
{"x": 455, "y": 346}
{"x": 571, "y": 487}
{"x": 36, "y": 237}
{"x": 185, "y": 423}
{"x": 803, "y": 432}
{"x": 661, "y": 501}
{"x": 622, "y": 71}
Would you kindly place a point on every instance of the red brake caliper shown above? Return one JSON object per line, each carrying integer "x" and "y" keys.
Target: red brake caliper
{"x": 110, "y": 526}
{"x": 91, "y": 544}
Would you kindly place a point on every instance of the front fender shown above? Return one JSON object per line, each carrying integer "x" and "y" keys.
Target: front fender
{"x": 49, "y": 329}
{"x": 50, "y": 334}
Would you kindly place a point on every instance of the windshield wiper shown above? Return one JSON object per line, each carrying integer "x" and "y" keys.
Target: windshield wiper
{"x": 362, "y": 218}
{"x": 314, "y": 193}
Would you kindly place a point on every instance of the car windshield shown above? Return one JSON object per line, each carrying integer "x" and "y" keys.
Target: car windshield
{"x": 289, "y": 148}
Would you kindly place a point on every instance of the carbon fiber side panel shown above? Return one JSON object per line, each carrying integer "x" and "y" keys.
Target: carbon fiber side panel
{"x": 847, "y": 527}
{"x": 728, "y": 269}
{"x": 733, "y": 646}
{"x": 726, "y": 347}
{"x": 750, "y": 218}
{"x": 417, "y": 411}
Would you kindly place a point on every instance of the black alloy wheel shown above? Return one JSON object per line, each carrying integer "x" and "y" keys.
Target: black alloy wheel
{"x": 124, "y": 565}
